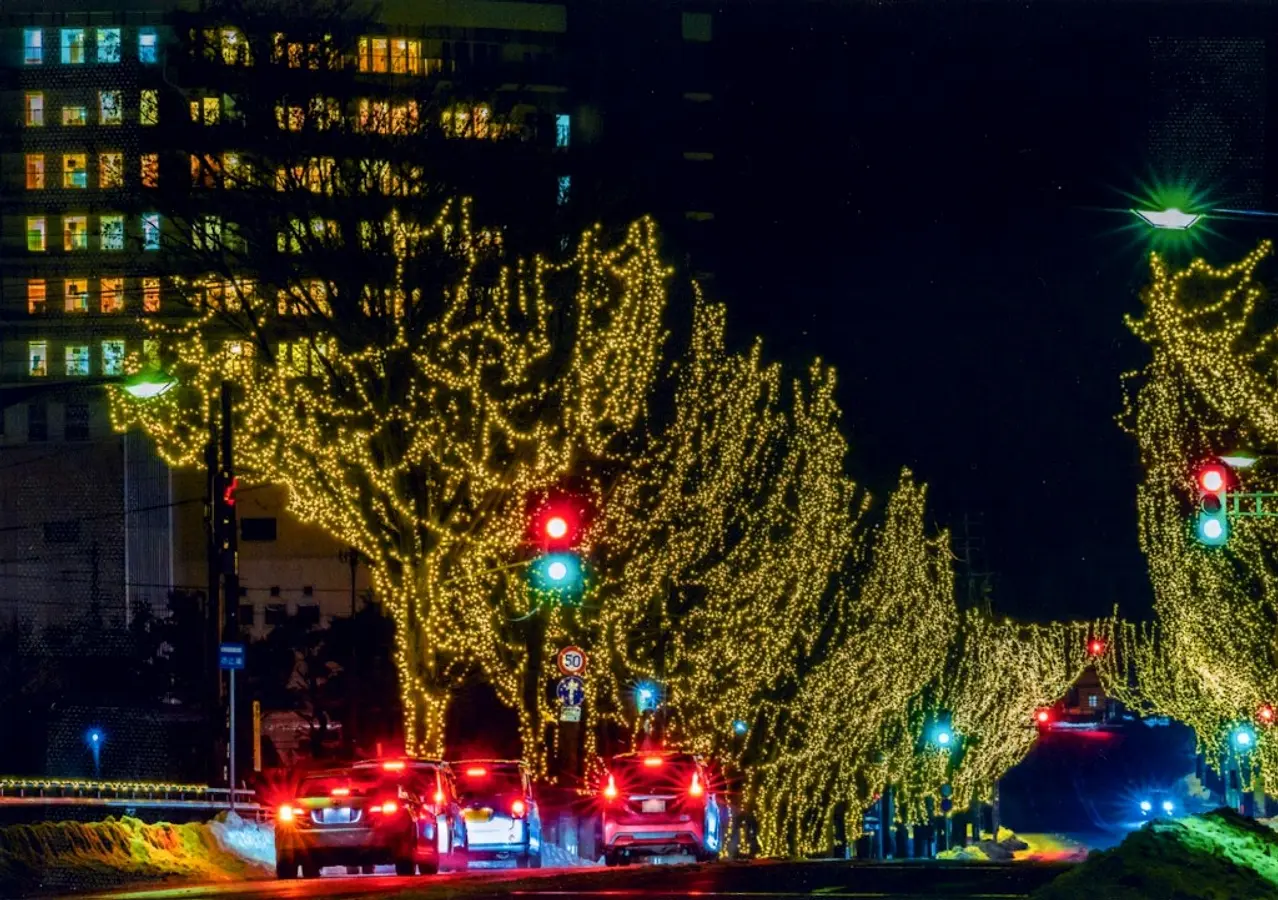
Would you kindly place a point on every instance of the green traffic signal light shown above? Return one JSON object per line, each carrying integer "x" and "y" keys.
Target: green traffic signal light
{"x": 558, "y": 575}
{"x": 1212, "y": 524}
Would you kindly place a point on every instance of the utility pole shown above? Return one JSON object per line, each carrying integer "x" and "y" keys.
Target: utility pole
{"x": 352, "y": 706}
{"x": 213, "y": 600}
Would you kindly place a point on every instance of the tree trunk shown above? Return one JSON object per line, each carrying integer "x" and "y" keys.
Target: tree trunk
{"x": 423, "y": 682}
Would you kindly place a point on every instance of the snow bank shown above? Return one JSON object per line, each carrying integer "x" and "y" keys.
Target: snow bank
{"x": 1210, "y": 857}
{"x": 1004, "y": 848}
{"x": 56, "y": 856}
{"x": 554, "y": 856}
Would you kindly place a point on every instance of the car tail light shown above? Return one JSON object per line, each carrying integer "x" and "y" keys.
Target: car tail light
{"x": 652, "y": 761}
{"x": 477, "y": 772}
{"x": 390, "y": 806}
{"x": 696, "y": 790}
{"x": 439, "y": 798}
{"x": 393, "y": 766}
{"x": 610, "y": 790}
{"x": 286, "y": 814}
{"x": 518, "y": 808}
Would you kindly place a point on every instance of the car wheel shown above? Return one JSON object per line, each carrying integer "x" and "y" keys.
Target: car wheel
{"x": 368, "y": 870}
{"x": 428, "y": 868}
{"x": 310, "y": 870}
{"x": 533, "y": 860}
{"x": 285, "y": 867}
{"x": 461, "y": 860}
{"x": 352, "y": 870}
{"x": 612, "y": 859}
{"x": 405, "y": 867}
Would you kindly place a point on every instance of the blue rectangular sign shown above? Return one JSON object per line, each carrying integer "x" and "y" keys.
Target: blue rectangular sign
{"x": 231, "y": 656}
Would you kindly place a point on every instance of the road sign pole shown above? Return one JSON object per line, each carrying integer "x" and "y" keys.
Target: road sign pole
{"x": 232, "y": 757}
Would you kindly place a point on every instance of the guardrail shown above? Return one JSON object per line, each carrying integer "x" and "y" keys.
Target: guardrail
{"x": 122, "y": 794}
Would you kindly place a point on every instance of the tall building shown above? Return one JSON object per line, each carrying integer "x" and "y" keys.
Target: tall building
{"x": 127, "y": 118}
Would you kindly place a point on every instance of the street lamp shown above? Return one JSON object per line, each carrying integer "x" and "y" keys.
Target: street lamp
{"x": 1170, "y": 219}
{"x": 94, "y": 738}
{"x": 147, "y": 384}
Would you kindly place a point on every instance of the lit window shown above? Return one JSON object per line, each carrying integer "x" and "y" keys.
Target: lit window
{"x": 404, "y": 118}
{"x": 235, "y": 48}
{"x": 405, "y": 56}
{"x": 373, "y": 54}
{"x": 33, "y": 46}
{"x": 1093, "y": 701}
{"x": 35, "y": 110}
{"x": 291, "y": 118}
{"x": 150, "y": 170}
{"x": 149, "y": 108}
{"x": 111, "y": 170}
{"x": 151, "y": 231}
{"x": 113, "y": 357}
{"x": 36, "y": 234}
{"x": 151, "y": 352}
{"x": 77, "y": 295}
{"x": 565, "y": 185}
{"x": 325, "y": 112}
{"x": 234, "y": 170}
{"x": 77, "y": 359}
{"x": 112, "y": 232}
{"x": 35, "y": 171}
{"x": 563, "y": 129}
{"x": 75, "y": 115}
{"x": 37, "y": 358}
{"x": 75, "y": 233}
{"x": 110, "y": 109}
{"x": 111, "y": 295}
{"x": 467, "y": 121}
{"x": 206, "y": 234}
{"x": 75, "y": 170}
{"x": 148, "y": 44}
{"x": 108, "y": 45}
{"x": 36, "y": 295}
{"x": 73, "y": 41}
{"x": 207, "y": 110}
{"x": 150, "y": 295}
{"x": 297, "y": 57}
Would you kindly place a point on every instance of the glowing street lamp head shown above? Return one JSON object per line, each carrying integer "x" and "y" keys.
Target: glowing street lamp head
{"x": 1168, "y": 806}
{"x": 1146, "y": 806}
{"x": 148, "y": 384}
{"x": 943, "y": 737}
{"x": 1244, "y": 739}
{"x": 1170, "y": 219}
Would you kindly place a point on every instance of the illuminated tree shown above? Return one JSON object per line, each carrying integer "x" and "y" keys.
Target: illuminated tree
{"x": 1207, "y": 389}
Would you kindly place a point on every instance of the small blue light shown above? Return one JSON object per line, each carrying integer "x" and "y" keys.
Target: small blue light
{"x": 95, "y": 736}
{"x": 943, "y": 738}
{"x": 1168, "y": 806}
{"x": 646, "y": 694}
{"x": 740, "y": 727}
{"x": 1146, "y": 806}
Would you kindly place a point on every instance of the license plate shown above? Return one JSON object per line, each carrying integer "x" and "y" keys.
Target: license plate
{"x": 477, "y": 815}
{"x": 340, "y": 815}
{"x": 654, "y": 806}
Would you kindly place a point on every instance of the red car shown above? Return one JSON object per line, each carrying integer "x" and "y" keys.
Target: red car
{"x": 658, "y": 803}
{"x": 354, "y": 817}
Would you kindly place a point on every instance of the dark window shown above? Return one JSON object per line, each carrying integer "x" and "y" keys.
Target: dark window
{"x": 262, "y": 529}
{"x": 77, "y": 424}
{"x": 37, "y": 422}
{"x": 276, "y": 614}
{"x": 275, "y": 590}
{"x": 246, "y": 615}
{"x": 308, "y": 615}
{"x": 243, "y": 592}
{"x": 308, "y": 591}
{"x": 62, "y": 532}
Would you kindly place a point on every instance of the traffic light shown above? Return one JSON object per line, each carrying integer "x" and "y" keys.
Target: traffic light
{"x": 1212, "y": 526}
{"x": 1095, "y": 647}
{"x": 1043, "y": 717}
{"x": 1265, "y": 714}
{"x": 557, "y": 524}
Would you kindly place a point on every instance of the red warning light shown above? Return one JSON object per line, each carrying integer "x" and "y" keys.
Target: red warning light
{"x": 1212, "y": 479}
{"x": 1043, "y": 716}
{"x": 1096, "y": 647}
{"x": 228, "y": 493}
{"x": 1265, "y": 714}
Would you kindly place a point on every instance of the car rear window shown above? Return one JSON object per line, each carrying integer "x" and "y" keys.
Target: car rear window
{"x": 485, "y": 783}
{"x": 357, "y": 782}
{"x": 656, "y": 773}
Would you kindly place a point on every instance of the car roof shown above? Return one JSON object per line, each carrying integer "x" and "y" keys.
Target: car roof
{"x": 489, "y": 762}
{"x": 406, "y": 760}
{"x": 664, "y": 754}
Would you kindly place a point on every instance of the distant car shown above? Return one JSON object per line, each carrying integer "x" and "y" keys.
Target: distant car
{"x": 656, "y": 804}
{"x": 352, "y": 817}
{"x": 440, "y": 788}
{"x": 503, "y": 820}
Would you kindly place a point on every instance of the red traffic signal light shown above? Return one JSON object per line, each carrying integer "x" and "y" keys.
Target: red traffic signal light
{"x": 557, "y": 524}
{"x": 1265, "y": 714}
{"x": 1212, "y": 479}
{"x": 1043, "y": 716}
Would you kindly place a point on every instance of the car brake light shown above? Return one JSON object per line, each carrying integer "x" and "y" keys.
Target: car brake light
{"x": 477, "y": 772}
{"x": 389, "y": 807}
{"x": 341, "y": 792}
{"x": 439, "y": 797}
{"x": 652, "y": 760}
{"x": 517, "y": 809}
{"x": 393, "y": 766}
{"x": 696, "y": 790}
{"x": 285, "y": 814}
{"x": 610, "y": 791}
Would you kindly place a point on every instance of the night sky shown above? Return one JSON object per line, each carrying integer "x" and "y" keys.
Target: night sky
{"x": 925, "y": 207}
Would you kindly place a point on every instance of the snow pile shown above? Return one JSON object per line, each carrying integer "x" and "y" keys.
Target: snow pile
{"x": 55, "y": 856}
{"x": 554, "y": 856}
{"x": 1217, "y": 856}
{"x": 1051, "y": 848}
{"x": 252, "y": 841}
{"x": 1003, "y": 849}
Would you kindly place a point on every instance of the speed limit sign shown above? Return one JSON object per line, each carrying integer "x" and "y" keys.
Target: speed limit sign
{"x": 572, "y": 660}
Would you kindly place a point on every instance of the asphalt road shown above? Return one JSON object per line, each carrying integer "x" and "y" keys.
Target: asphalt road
{"x": 762, "y": 880}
